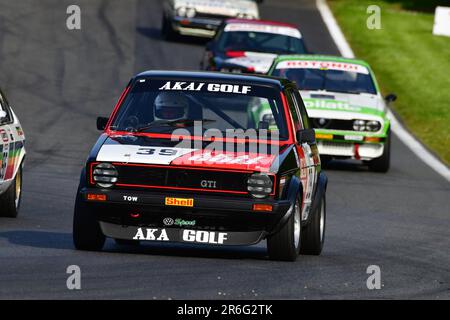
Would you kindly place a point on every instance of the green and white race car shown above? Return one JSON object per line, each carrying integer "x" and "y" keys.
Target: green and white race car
{"x": 345, "y": 106}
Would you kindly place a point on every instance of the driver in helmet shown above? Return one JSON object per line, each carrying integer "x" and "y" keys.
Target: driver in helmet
{"x": 170, "y": 106}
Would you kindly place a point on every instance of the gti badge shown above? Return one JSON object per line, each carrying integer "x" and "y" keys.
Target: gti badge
{"x": 210, "y": 184}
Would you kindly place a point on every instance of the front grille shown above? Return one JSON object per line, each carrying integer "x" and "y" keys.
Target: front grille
{"x": 332, "y": 124}
{"x": 154, "y": 177}
{"x": 202, "y": 15}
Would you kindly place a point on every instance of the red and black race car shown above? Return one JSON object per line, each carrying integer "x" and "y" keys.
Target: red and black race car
{"x": 189, "y": 157}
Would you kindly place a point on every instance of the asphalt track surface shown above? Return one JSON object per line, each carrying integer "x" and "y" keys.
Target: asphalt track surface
{"x": 59, "y": 81}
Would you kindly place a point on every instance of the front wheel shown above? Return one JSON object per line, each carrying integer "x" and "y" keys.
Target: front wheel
{"x": 87, "y": 234}
{"x": 285, "y": 244}
{"x": 313, "y": 234}
{"x": 10, "y": 200}
{"x": 167, "y": 31}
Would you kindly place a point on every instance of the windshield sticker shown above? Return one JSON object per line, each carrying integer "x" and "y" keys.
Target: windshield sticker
{"x": 201, "y": 86}
{"x": 323, "y": 65}
{"x": 252, "y": 27}
{"x": 330, "y": 105}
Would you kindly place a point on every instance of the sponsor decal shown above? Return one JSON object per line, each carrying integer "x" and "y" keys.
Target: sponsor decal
{"x": 182, "y": 223}
{"x": 330, "y": 105}
{"x": 4, "y": 135}
{"x": 210, "y": 184}
{"x": 19, "y": 131}
{"x": 3, "y": 157}
{"x": 227, "y": 159}
{"x": 266, "y": 28}
{"x": 130, "y": 198}
{"x": 168, "y": 221}
{"x": 322, "y": 65}
{"x": 13, "y": 156}
{"x": 151, "y": 234}
{"x": 193, "y": 236}
{"x": 210, "y": 237}
{"x": 324, "y": 136}
{"x": 210, "y": 87}
{"x": 179, "y": 202}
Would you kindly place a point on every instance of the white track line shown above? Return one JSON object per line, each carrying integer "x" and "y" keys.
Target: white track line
{"x": 400, "y": 131}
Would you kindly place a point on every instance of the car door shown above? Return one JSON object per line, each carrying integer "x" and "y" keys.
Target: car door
{"x": 305, "y": 155}
{"x": 4, "y": 138}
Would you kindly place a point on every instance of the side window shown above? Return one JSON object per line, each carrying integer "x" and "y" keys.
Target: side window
{"x": 302, "y": 109}
{"x": 4, "y": 107}
{"x": 296, "y": 115}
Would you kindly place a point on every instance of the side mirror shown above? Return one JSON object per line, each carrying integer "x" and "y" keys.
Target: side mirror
{"x": 391, "y": 97}
{"x": 306, "y": 136}
{"x": 3, "y": 115}
{"x": 101, "y": 123}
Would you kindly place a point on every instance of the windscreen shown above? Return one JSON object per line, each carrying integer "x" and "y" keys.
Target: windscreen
{"x": 261, "y": 38}
{"x": 162, "y": 106}
{"x": 334, "y": 77}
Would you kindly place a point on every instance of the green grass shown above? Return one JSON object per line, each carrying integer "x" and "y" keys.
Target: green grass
{"x": 408, "y": 60}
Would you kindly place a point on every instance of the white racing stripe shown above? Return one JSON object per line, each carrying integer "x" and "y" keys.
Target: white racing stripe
{"x": 140, "y": 154}
{"x": 409, "y": 140}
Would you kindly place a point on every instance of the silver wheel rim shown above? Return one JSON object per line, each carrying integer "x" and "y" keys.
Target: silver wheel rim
{"x": 18, "y": 189}
{"x": 297, "y": 226}
{"x": 322, "y": 221}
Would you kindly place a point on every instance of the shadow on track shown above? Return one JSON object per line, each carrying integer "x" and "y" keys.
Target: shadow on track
{"x": 190, "y": 251}
{"x": 39, "y": 239}
{"x": 57, "y": 240}
{"x": 345, "y": 165}
{"x": 155, "y": 34}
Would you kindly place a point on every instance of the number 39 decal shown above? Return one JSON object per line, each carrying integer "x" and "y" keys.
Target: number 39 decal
{"x": 153, "y": 151}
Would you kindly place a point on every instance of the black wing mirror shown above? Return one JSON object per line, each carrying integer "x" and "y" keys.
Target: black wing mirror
{"x": 101, "y": 123}
{"x": 306, "y": 136}
{"x": 391, "y": 97}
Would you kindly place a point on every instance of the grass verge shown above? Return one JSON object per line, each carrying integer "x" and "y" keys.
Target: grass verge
{"x": 408, "y": 60}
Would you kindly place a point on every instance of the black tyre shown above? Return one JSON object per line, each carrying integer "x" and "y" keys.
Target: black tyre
{"x": 167, "y": 31}
{"x": 325, "y": 160}
{"x": 11, "y": 198}
{"x": 313, "y": 234}
{"x": 382, "y": 163}
{"x": 87, "y": 234}
{"x": 285, "y": 244}
{"x": 126, "y": 242}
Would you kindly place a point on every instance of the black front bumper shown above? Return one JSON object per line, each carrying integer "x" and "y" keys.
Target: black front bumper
{"x": 127, "y": 212}
{"x": 203, "y": 27}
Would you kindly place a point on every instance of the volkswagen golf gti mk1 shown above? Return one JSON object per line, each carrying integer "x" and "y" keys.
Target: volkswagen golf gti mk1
{"x": 183, "y": 159}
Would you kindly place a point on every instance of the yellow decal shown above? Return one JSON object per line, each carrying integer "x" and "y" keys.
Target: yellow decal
{"x": 179, "y": 202}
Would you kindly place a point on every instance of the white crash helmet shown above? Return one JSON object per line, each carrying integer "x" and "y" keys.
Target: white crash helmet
{"x": 170, "y": 106}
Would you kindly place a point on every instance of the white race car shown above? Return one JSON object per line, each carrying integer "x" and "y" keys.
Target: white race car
{"x": 201, "y": 18}
{"x": 12, "y": 155}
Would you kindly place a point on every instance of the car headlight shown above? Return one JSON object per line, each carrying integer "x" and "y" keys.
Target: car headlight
{"x": 373, "y": 125}
{"x": 190, "y": 12}
{"x": 359, "y": 125}
{"x": 259, "y": 185}
{"x": 105, "y": 175}
{"x": 181, "y": 11}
